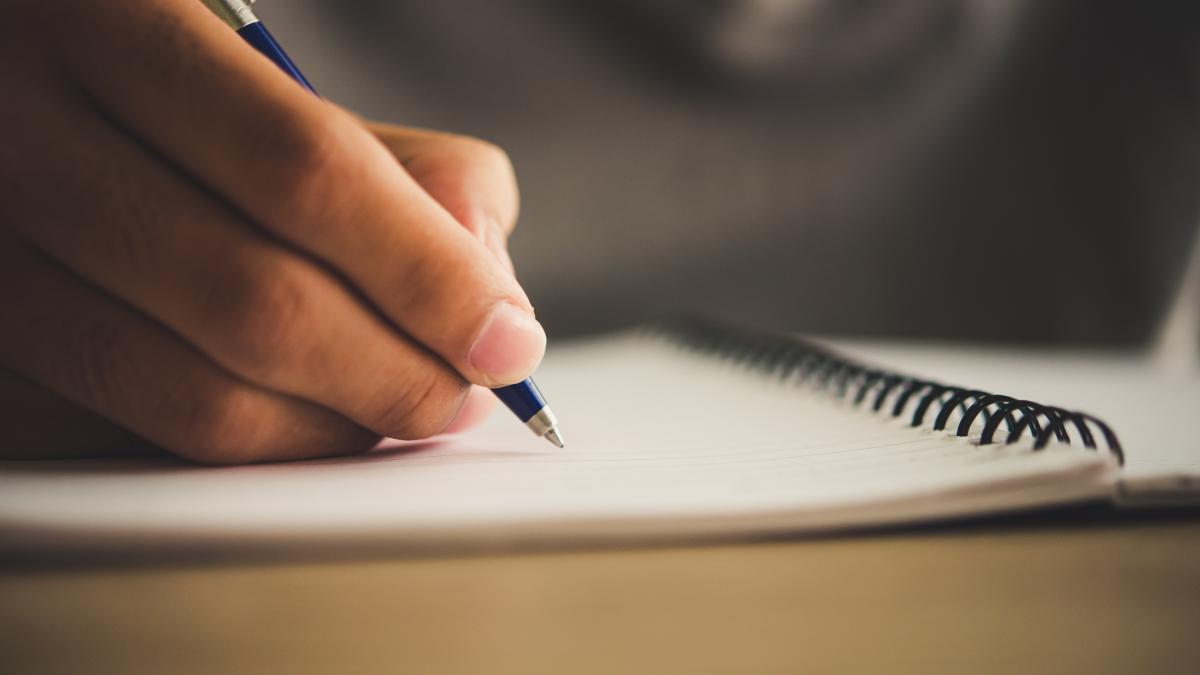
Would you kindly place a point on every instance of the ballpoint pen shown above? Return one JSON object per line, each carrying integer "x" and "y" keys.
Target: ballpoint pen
{"x": 524, "y": 398}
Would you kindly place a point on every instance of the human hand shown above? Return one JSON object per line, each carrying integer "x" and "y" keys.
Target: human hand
{"x": 196, "y": 254}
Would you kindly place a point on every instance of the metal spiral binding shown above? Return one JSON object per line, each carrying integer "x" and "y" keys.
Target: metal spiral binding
{"x": 796, "y": 360}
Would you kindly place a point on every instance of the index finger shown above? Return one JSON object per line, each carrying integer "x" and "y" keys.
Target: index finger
{"x": 182, "y": 82}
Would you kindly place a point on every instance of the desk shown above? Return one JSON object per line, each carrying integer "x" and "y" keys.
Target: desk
{"x": 1046, "y": 593}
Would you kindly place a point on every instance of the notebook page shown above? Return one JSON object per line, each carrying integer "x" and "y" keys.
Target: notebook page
{"x": 661, "y": 443}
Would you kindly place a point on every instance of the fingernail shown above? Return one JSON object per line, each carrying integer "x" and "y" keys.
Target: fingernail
{"x": 509, "y": 346}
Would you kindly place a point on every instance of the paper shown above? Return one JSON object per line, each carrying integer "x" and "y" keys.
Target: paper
{"x": 662, "y": 444}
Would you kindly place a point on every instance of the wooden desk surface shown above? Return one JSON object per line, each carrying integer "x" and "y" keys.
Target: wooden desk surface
{"x": 1074, "y": 596}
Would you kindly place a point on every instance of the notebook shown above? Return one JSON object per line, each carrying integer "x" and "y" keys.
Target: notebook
{"x": 688, "y": 431}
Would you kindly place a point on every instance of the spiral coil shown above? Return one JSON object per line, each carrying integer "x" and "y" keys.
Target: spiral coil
{"x": 801, "y": 362}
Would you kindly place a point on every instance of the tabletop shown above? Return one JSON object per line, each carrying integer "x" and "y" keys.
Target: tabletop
{"x": 1074, "y": 591}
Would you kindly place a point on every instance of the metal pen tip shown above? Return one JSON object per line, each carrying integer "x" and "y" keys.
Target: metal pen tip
{"x": 554, "y": 437}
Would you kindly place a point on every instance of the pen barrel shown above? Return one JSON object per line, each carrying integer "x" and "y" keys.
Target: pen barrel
{"x": 257, "y": 35}
{"x": 523, "y": 398}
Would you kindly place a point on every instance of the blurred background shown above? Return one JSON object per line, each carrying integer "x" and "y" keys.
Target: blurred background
{"x": 1022, "y": 171}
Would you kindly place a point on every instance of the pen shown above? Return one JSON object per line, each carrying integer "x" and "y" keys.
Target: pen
{"x": 524, "y": 398}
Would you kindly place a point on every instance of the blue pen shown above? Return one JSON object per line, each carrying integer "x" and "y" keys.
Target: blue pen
{"x": 523, "y": 398}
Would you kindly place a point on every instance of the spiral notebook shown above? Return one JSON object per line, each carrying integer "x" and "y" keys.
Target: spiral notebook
{"x": 687, "y": 431}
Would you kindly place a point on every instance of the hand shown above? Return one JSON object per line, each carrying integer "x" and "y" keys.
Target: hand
{"x": 196, "y": 254}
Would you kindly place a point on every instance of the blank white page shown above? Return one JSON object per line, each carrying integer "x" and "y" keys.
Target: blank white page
{"x": 661, "y": 444}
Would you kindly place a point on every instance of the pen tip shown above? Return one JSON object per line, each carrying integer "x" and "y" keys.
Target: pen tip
{"x": 554, "y": 437}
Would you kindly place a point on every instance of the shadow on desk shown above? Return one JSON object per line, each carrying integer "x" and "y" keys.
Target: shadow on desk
{"x": 1063, "y": 519}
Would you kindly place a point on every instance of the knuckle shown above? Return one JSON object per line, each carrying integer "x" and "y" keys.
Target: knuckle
{"x": 266, "y": 312}
{"x": 341, "y": 440}
{"x": 488, "y": 155}
{"x": 220, "y": 428}
{"x": 312, "y": 161}
{"x": 425, "y": 405}
{"x": 495, "y": 162}
{"x": 236, "y": 426}
{"x": 295, "y": 141}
